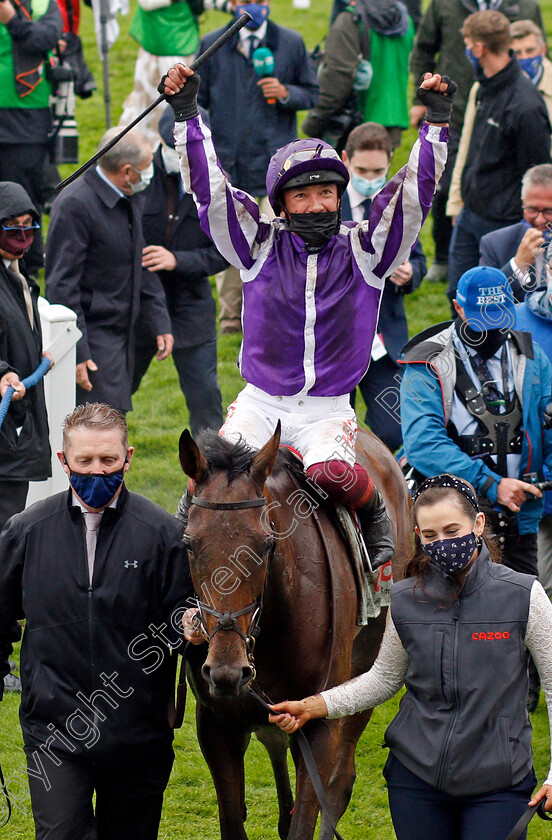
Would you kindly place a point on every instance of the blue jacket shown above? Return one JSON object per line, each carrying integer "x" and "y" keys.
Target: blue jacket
{"x": 534, "y": 317}
{"x": 246, "y": 129}
{"x": 426, "y": 394}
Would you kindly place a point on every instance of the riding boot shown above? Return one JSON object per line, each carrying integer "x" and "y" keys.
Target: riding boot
{"x": 377, "y": 530}
{"x": 184, "y": 508}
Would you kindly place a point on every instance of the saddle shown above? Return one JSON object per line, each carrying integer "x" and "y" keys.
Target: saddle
{"x": 373, "y": 586}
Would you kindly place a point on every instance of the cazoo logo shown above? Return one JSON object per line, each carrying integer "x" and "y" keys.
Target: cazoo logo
{"x": 489, "y": 637}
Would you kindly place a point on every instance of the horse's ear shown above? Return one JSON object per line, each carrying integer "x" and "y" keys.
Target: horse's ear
{"x": 263, "y": 462}
{"x": 192, "y": 460}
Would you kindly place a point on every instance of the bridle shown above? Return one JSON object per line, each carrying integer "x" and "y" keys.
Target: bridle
{"x": 227, "y": 621}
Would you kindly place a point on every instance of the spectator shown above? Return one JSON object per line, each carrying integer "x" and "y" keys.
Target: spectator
{"x": 94, "y": 266}
{"x": 184, "y": 256}
{"x": 510, "y": 133}
{"x": 440, "y": 47}
{"x": 167, "y": 32}
{"x": 367, "y": 156}
{"x": 312, "y": 289}
{"x": 28, "y": 30}
{"x": 534, "y": 315}
{"x": 91, "y": 569}
{"x": 459, "y": 633}
{"x": 414, "y": 9}
{"x": 518, "y": 249}
{"x": 252, "y": 116}
{"x": 529, "y": 47}
{"x": 24, "y": 439}
{"x": 381, "y": 33}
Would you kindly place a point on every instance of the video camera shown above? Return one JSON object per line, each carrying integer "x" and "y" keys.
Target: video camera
{"x": 64, "y": 138}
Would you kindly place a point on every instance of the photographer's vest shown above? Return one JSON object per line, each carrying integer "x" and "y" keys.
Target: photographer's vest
{"x": 462, "y": 725}
{"x": 171, "y": 30}
{"x": 33, "y": 90}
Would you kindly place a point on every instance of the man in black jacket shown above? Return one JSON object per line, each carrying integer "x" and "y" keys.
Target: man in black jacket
{"x": 184, "y": 257}
{"x": 101, "y": 577}
{"x": 94, "y": 266}
{"x": 511, "y": 133}
{"x": 24, "y": 436}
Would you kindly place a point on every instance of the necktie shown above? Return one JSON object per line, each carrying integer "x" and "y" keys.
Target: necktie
{"x": 14, "y": 267}
{"x": 252, "y": 44}
{"x": 92, "y": 522}
{"x": 367, "y": 203}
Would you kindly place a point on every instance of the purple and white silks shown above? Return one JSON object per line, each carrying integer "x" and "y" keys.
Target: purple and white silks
{"x": 309, "y": 320}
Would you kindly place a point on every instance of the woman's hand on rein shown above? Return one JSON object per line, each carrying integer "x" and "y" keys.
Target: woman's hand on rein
{"x": 192, "y": 626}
{"x": 292, "y": 714}
{"x": 544, "y": 793}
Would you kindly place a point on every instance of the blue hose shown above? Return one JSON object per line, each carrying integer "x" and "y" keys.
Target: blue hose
{"x": 31, "y": 380}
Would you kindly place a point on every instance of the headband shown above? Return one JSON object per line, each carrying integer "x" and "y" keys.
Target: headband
{"x": 447, "y": 480}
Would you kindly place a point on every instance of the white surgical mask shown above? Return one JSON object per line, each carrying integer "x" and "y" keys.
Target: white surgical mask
{"x": 367, "y": 187}
{"x": 145, "y": 177}
{"x": 171, "y": 160}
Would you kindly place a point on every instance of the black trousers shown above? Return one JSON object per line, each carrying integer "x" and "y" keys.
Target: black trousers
{"x": 197, "y": 372}
{"x": 13, "y": 495}
{"x": 129, "y": 788}
{"x": 24, "y": 163}
{"x": 442, "y": 224}
{"x": 383, "y": 376}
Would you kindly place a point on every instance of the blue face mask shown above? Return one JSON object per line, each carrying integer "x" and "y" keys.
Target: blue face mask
{"x": 532, "y": 66}
{"x": 95, "y": 490}
{"x": 473, "y": 61}
{"x": 453, "y": 555}
{"x": 259, "y": 12}
{"x": 368, "y": 188}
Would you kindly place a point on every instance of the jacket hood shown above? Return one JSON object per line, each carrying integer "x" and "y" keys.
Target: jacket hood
{"x": 385, "y": 18}
{"x": 14, "y": 201}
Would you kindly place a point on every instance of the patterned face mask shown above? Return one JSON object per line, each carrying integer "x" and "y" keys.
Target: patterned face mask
{"x": 453, "y": 555}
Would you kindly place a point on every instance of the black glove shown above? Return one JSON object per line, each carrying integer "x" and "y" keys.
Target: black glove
{"x": 439, "y": 105}
{"x": 184, "y": 104}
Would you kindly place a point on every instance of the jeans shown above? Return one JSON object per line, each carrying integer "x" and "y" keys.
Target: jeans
{"x": 421, "y": 812}
{"x": 464, "y": 245}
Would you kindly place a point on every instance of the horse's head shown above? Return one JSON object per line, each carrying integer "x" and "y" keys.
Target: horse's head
{"x": 230, "y": 543}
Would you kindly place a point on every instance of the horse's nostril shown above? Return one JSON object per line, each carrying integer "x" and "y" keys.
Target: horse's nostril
{"x": 206, "y": 672}
{"x": 248, "y": 674}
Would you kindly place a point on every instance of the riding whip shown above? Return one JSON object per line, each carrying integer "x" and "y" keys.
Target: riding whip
{"x": 195, "y": 65}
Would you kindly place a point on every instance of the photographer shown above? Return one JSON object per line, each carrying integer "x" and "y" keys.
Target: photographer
{"x": 28, "y": 30}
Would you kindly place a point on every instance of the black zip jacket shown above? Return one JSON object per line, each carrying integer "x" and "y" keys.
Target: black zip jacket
{"x": 90, "y": 660}
{"x": 511, "y": 133}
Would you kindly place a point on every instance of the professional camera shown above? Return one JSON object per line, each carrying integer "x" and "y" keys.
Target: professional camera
{"x": 64, "y": 137}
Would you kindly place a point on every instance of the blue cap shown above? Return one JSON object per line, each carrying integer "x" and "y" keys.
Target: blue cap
{"x": 485, "y": 295}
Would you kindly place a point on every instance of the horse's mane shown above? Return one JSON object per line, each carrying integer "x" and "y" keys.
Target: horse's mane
{"x": 223, "y": 455}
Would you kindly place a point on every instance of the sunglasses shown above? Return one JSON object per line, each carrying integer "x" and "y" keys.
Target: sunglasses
{"x": 16, "y": 231}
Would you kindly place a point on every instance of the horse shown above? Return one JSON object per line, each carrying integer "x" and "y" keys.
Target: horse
{"x": 278, "y": 602}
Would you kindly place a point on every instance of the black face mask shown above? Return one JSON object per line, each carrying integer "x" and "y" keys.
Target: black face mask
{"x": 486, "y": 343}
{"x": 315, "y": 229}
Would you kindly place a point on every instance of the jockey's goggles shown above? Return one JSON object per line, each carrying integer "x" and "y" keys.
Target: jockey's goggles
{"x": 307, "y": 154}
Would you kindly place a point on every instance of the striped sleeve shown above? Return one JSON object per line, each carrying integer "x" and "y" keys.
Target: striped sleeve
{"x": 229, "y": 217}
{"x": 400, "y": 209}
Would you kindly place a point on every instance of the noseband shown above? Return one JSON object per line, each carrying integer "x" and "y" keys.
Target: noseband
{"x": 227, "y": 620}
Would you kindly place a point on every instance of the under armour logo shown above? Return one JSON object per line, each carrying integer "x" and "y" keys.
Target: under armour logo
{"x": 129, "y": 563}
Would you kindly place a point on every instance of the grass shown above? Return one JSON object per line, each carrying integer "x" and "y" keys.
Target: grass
{"x": 155, "y": 424}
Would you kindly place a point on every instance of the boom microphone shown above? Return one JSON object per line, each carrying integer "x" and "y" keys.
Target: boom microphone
{"x": 263, "y": 64}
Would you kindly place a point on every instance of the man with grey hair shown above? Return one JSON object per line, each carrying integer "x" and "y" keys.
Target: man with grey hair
{"x": 94, "y": 266}
{"x": 519, "y": 249}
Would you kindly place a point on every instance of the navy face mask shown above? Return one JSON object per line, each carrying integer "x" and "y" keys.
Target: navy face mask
{"x": 96, "y": 490}
{"x": 452, "y": 555}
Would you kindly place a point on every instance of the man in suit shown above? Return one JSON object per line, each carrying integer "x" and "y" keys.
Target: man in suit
{"x": 367, "y": 156}
{"x": 185, "y": 257}
{"x": 519, "y": 249}
{"x": 94, "y": 266}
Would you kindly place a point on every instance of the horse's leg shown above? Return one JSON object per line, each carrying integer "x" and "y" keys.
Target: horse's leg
{"x": 340, "y": 786}
{"x": 276, "y": 744}
{"x": 223, "y": 748}
{"x": 323, "y": 736}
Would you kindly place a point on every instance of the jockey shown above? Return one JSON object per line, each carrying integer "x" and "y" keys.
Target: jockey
{"x": 312, "y": 287}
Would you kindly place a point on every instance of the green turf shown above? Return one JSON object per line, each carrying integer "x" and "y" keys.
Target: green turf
{"x": 155, "y": 425}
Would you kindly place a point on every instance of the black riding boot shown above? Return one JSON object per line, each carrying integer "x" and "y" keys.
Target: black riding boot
{"x": 184, "y": 508}
{"x": 377, "y": 530}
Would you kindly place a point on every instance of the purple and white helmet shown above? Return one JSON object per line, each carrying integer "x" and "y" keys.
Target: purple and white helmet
{"x": 303, "y": 163}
